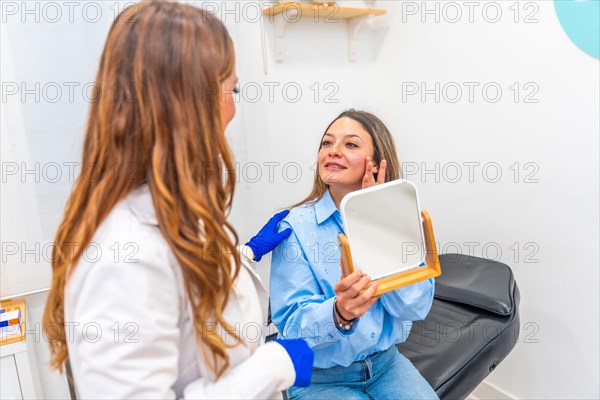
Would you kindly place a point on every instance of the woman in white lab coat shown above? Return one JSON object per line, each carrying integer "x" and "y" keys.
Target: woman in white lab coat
{"x": 150, "y": 297}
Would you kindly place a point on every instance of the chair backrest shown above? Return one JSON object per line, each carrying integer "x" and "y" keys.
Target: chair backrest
{"x": 70, "y": 381}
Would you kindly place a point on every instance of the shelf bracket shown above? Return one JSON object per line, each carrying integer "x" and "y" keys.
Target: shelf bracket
{"x": 281, "y": 22}
{"x": 354, "y": 27}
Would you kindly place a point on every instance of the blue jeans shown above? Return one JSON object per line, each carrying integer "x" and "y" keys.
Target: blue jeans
{"x": 381, "y": 376}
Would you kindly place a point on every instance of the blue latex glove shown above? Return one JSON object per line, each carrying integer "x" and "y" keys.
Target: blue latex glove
{"x": 302, "y": 357}
{"x": 268, "y": 238}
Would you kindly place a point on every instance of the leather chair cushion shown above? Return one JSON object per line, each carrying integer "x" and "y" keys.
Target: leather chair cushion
{"x": 477, "y": 282}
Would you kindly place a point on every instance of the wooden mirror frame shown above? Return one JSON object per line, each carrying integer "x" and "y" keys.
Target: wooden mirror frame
{"x": 431, "y": 269}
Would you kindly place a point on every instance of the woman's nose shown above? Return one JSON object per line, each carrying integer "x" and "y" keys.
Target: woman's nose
{"x": 334, "y": 150}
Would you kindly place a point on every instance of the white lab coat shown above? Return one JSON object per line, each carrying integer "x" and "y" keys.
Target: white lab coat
{"x": 129, "y": 323}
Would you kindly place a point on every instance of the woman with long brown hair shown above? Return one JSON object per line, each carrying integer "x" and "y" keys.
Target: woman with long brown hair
{"x": 352, "y": 332}
{"x": 150, "y": 297}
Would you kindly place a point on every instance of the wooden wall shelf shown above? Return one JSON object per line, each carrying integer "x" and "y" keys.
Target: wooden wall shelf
{"x": 331, "y": 11}
{"x": 288, "y": 12}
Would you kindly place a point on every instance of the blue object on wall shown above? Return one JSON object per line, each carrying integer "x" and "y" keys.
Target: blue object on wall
{"x": 580, "y": 19}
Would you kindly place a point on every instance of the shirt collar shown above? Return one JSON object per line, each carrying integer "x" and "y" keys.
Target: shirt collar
{"x": 325, "y": 208}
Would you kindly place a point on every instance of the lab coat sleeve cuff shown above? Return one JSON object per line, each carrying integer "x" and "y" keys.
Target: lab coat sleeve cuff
{"x": 267, "y": 372}
{"x": 277, "y": 359}
{"x": 247, "y": 254}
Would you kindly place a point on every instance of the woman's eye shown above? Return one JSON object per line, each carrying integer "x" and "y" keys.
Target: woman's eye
{"x": 352, "y": 145}
{"x": 326, "y": 143}
{"x": 236, "y": 88}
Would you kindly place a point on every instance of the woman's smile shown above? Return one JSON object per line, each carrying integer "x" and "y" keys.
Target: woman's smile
{"x": 333, "y": 166}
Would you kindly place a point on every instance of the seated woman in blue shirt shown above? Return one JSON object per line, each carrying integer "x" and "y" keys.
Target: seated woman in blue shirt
{"x": 353, "y": 335}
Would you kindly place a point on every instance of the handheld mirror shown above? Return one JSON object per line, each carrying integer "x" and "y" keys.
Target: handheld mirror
{"x": 388, "y": 237}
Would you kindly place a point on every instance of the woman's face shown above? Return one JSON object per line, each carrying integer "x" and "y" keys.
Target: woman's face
{"x": 228, "y": 89}
{"x": 344, "y": 149}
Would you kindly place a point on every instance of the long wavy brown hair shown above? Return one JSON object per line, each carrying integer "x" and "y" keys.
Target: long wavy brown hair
{"x": 160, "y": 125}
{"x": 383, "y": 145}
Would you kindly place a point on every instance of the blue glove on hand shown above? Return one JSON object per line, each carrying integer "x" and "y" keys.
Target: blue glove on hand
{"x": 302, "y": 356}
{"x": 268, "y": 238}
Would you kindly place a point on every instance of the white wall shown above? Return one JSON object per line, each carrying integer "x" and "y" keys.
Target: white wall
{"x": 553, "y": 221}
{"x": 49, "y": 53}
{"x": 541, "y": 220}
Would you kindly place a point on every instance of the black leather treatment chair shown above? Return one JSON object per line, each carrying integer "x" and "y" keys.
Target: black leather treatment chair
{"x": 472, "y": 326}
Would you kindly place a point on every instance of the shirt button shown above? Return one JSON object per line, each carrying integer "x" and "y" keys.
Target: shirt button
{"x": 372, "y": 335}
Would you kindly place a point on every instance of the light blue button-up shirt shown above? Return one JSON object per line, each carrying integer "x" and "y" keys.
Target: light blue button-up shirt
{"x": 304, "y": 270}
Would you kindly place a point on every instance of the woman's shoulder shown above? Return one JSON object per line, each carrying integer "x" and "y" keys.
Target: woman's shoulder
{"x": 300, "y": 215}
{"x": 128, "y": 249}
{"x": 303, "y": 221}
{"x": 128, "y": 237}
{"x": 131, "y": 220}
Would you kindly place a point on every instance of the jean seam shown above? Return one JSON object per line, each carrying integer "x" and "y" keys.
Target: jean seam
{"x": 383, "y": 368}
